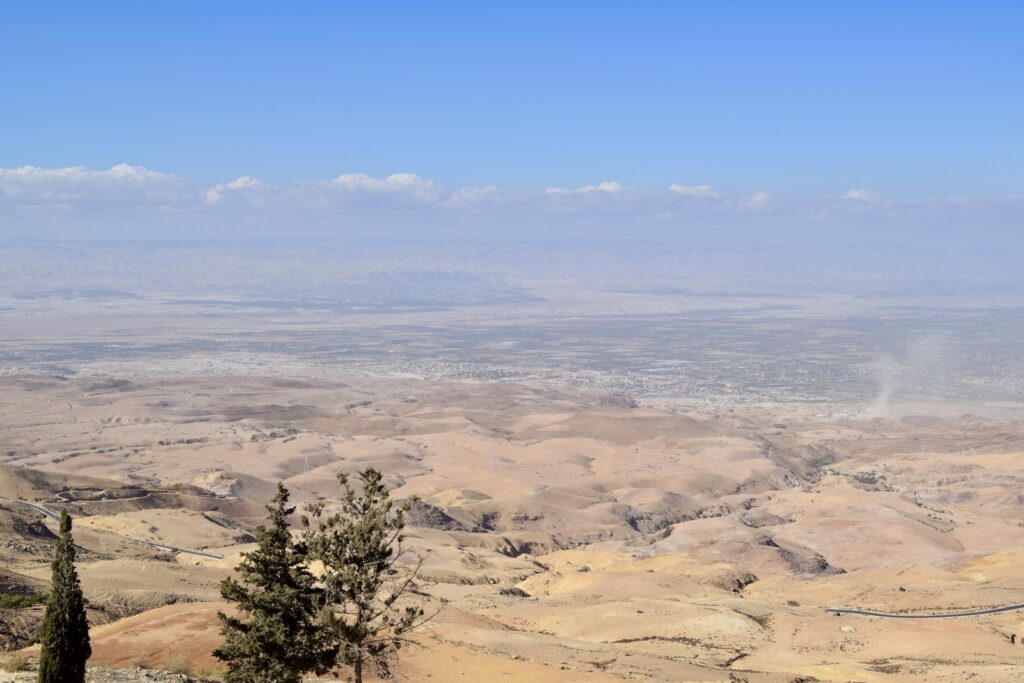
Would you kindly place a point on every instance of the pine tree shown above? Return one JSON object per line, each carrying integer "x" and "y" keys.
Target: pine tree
{"x": 279, "y": 640}
{"x": 359, "y": 547}
{"x": 65, "y": 632}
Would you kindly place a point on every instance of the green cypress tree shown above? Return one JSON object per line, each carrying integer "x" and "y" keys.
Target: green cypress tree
{"x": 359, "y": 547}
{"x": 65, "y": 632}
{"x": 279, "y": 640}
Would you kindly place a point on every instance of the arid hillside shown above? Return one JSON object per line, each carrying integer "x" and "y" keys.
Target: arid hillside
{"x": 565, "y": 536}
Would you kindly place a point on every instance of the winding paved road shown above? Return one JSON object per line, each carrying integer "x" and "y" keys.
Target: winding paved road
{"x": 941, "y": 615}
{"x": 164, "y": 546}
{"x": 834, "y": 610}
{"x": 45, "y": 512}
{"x": 50, "y": 514}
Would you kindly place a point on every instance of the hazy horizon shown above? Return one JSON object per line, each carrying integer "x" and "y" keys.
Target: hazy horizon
{"x": 796, "y": 125}
{"x": 685, "y": 341}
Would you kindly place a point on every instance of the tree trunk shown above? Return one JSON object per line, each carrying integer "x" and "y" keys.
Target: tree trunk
{"x": 357, "y": 670}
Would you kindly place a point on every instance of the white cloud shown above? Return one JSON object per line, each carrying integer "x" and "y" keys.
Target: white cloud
{"x": 695, "y": 191}
{"x": 244, "y": 181}
{"x": 757, "y": 200}
{"x": 408, "y": 184}
{"x": 120, "y": 183}
{"x": 130, "y": 200}
{"x": 216, "y": 193}
{"x": 469, "y": 196}
{"x": 609, "y": 186}
{"x": 860, "y": 196}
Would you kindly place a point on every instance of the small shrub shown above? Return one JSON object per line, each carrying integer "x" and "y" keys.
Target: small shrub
{"x": 13, "y": 663}
{"x": 178, "y": 664}
{"x": 210, "y": 674}
{"x": 11, "y": 601}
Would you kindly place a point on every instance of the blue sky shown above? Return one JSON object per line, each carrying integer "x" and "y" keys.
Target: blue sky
{"x": 801, "y": 101}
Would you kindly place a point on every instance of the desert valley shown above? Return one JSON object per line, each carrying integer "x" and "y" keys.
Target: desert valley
{"x": 611, "y": 486}
{"x": 522, "y": 342}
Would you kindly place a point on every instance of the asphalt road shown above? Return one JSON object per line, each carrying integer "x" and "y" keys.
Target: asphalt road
{"x": 834, "y": 610}
{"x": 45, "y": 512}
{"x": 50, "y": 514}
{"x": 940, "y": 615}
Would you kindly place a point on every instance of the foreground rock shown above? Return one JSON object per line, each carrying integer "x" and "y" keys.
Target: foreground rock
{"x": 102, "y": 674}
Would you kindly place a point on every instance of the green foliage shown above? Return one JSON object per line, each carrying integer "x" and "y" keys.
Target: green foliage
{"x": 11, "y": 601}
{"x": 359, "y": 546}
{"x": 278, "y": 640}
{"x": 293, "y": 623}
{"x": 65, "y": 632}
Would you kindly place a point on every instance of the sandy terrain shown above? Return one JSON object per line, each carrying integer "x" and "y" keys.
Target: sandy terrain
{"x": 566, "y": 535}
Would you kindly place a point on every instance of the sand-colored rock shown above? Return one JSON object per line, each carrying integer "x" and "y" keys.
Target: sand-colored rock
{"x": 553, "y": 548}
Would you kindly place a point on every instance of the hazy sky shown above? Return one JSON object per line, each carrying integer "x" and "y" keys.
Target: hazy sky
{"x": 817, "y": 120}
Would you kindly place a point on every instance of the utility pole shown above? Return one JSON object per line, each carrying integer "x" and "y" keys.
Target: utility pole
{"x": 639, "y": 455}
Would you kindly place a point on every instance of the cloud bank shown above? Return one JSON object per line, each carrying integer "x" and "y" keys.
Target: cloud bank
{"x": 132, "y": 202}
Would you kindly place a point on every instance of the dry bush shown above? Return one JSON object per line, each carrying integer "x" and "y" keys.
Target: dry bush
{"x": 178, "y": 664}
{"x": 139, "y": 663}
{"x": 13, "y": 662}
